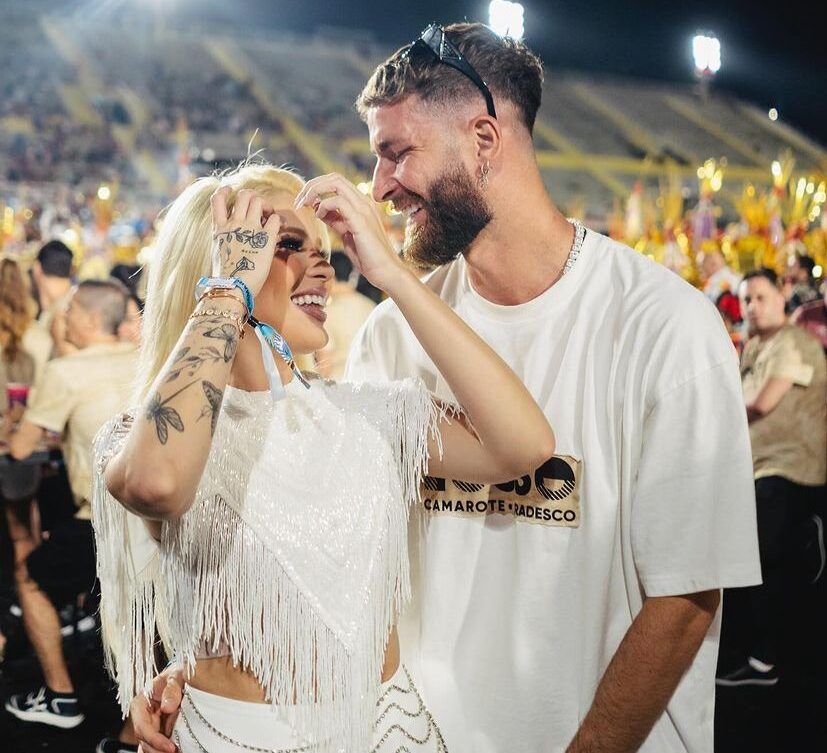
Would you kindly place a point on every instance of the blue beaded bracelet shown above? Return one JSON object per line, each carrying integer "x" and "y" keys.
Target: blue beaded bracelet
{"x": 225, "y": 283}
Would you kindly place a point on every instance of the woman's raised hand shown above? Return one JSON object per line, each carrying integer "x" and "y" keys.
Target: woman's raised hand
{"x": 245, "y": 239}
{"x": 355, "y": 217}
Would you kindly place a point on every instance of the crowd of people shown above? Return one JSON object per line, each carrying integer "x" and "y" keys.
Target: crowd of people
{"x": 585, "y": 468}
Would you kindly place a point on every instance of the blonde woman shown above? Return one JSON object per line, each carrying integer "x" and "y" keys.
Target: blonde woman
{"x": 278, "y": 505}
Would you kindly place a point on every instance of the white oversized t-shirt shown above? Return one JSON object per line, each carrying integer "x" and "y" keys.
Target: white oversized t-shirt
{"x": 523, "y": 591}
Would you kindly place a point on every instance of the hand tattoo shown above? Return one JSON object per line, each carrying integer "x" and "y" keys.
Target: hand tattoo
{"x": 243, "y": 266}
{"x": 252, "y": 238}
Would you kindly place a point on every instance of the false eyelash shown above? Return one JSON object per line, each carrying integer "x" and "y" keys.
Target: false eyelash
{"x": 290, "y": 244}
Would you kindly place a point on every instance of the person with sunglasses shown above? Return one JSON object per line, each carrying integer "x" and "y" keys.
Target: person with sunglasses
{"x": 575, "y": 608}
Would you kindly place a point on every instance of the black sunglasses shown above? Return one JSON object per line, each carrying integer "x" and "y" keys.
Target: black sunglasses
{"x": 436, "y": 43}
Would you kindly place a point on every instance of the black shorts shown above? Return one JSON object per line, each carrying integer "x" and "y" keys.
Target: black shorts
{"x": 63, "y": 566}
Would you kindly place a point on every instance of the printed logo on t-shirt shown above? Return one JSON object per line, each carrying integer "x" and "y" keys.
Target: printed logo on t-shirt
{"x": 550, "y": 496}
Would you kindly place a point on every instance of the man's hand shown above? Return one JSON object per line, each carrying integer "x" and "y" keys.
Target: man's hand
{"x": 155, "y": 717}
{"x": 356, "y": 219}
{"x": 58, "y": 333}
{"x": 24, "y": 440}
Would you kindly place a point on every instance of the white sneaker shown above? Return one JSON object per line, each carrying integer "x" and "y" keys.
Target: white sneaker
{"x": 47, "y": 708}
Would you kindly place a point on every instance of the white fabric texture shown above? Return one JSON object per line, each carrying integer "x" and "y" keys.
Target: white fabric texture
{"x": 207, "y": 721}
{"x": 518, "y": 608}
{"x": 293, "y": 554}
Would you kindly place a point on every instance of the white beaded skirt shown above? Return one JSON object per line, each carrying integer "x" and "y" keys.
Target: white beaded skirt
{"x": 213, "y": 724}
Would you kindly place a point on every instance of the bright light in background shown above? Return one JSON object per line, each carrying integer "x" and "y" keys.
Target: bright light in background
{"x": 506, "y": 19}
{"x": 146, "y": 256}
{"x": 817, "y": 270}
{"x": 70, "y": 237}
{"x": 104, "y": 194}
{"x": 706, "y": 49}
{"x": 772, "y": 114}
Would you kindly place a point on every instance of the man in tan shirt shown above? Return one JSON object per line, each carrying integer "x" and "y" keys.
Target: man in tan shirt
{"x": 784, "y": 379}
{"x": 76, "y": 396}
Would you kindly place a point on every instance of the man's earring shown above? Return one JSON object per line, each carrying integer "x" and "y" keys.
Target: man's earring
{"x": 484, "y": 170}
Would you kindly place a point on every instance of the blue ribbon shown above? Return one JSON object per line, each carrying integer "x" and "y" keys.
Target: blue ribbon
{"x": 267, "y": 334}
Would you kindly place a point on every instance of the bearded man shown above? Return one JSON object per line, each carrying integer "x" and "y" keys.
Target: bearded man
{"x": 575, "y": 609}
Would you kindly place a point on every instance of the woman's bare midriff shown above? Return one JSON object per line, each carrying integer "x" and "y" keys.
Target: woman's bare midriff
{"x": 219, "y": 677}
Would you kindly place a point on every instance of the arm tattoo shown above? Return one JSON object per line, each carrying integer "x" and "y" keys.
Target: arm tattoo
{"x": 190, "y": 362}
{"x": 164, "y": 416}
{"x": 214, "y": 396}
{"x": 229, "y": 334}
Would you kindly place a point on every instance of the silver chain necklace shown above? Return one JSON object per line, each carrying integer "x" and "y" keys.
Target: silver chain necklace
{"x": 576, "y": 245}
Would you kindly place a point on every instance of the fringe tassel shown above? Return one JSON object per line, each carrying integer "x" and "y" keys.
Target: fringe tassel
{"x": 219, "y": 586}
{"x": 128, "y": 587}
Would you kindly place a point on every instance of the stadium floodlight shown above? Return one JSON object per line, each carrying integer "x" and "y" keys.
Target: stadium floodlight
{"x": 507, "y": 19}
{"x": 706, "y": 49}
{"x": 772, "y": 114}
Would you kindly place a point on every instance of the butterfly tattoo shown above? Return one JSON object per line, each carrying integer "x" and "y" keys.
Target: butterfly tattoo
{"x": 229, "y": 334}
{"x": 212, "y": 410}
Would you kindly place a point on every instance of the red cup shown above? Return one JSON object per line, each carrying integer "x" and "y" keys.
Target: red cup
{"x": 17, "y": 393}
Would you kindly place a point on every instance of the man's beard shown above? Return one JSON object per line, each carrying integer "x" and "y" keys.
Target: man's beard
{"x": 456, "y": 212}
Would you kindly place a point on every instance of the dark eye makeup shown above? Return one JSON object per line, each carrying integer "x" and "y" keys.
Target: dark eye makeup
{"x": 290, "y": 244}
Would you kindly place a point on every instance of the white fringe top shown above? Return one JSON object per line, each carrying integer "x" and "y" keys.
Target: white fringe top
{"x": 293, "y": 557}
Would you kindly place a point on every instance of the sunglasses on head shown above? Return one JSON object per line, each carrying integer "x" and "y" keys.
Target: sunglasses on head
{"x": 434, "y": 42}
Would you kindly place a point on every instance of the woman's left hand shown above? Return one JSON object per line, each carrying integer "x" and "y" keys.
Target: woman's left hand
{"x": 355, "y": 217}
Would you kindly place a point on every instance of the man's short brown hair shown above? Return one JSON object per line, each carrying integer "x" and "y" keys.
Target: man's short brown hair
{"x": 106, "y": 297}
{"x": 511, "y": 71}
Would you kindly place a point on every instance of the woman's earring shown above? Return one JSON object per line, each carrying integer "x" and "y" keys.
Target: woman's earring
{"x": 484, "y": 170}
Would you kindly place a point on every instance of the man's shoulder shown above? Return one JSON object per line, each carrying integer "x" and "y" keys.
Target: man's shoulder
{"x": 803, "y": 341}
{"x": 643, "y": 286}
{"x": 116, "y": 351}
{"x": 93, "y": 361}
{"x": 36, "y": 333}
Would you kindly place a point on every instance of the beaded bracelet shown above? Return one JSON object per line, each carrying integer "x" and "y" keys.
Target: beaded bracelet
{"x": 239, "y": 321}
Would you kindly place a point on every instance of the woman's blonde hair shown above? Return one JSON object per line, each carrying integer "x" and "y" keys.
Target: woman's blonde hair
{"x": 183, "y": 255}
{"x": 15, "y": 309}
